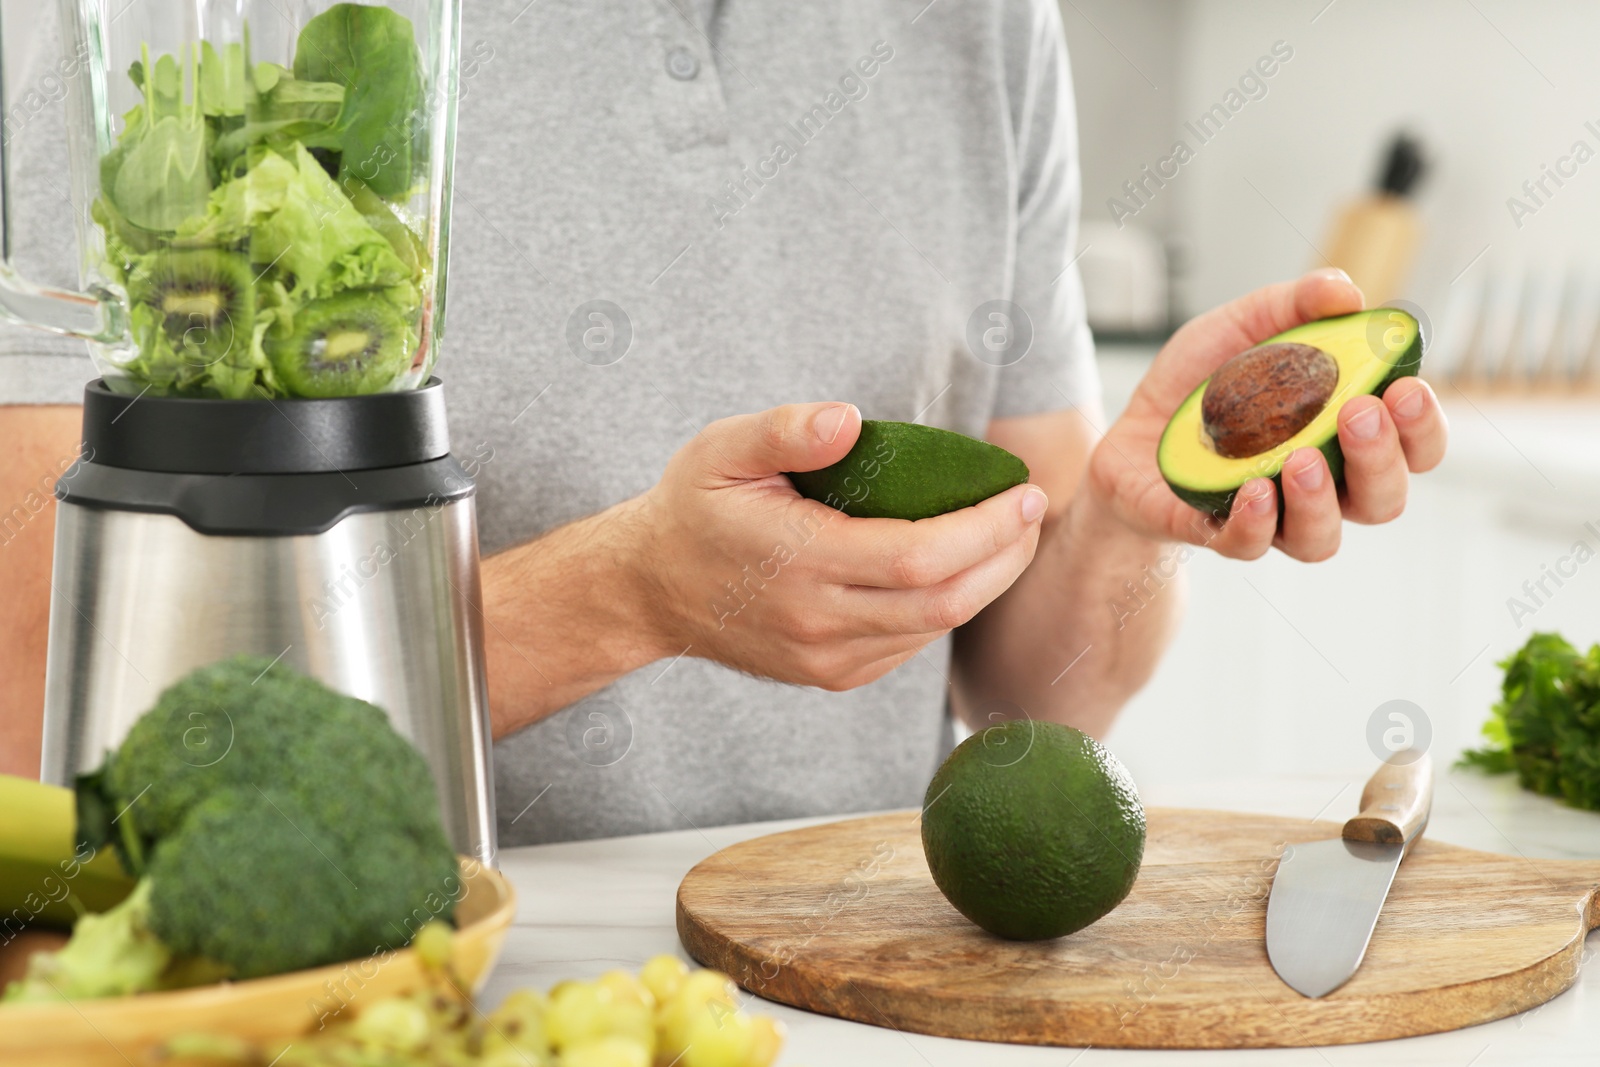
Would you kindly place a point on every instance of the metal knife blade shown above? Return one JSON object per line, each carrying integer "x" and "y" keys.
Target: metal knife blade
{"x": 1327, "y": 895}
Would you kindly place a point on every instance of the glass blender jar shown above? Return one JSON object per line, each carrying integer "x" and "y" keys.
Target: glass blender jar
{"x": 261, "y": 193}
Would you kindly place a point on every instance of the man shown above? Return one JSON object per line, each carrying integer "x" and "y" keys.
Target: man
{"x": 693, "y": 243}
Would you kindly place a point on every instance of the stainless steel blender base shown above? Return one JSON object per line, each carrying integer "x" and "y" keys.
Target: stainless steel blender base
{"x": 385, "y": 605}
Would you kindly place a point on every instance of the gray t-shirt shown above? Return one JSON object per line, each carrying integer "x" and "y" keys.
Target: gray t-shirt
{"x": 787, "y": 202}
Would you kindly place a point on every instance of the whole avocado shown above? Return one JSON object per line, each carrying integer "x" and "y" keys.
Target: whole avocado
{"x": 1033, "y": 830}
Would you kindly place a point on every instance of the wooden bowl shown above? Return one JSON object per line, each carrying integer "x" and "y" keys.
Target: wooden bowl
{"x": 119, "y": 1031}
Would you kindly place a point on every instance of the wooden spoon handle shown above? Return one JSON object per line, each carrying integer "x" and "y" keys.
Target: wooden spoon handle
{"x": 1396, "y": 802}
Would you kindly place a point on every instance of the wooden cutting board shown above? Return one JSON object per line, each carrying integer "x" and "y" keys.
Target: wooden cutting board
{"x": 843, "y": 919}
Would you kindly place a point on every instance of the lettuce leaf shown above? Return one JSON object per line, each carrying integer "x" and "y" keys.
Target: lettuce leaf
{"x": 317, "y": 236}
{"x": 302, "y": 227}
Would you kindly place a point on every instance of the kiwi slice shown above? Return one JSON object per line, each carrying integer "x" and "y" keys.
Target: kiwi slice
{"x": 345, "y": 345}
{"x": 205, "y": 300}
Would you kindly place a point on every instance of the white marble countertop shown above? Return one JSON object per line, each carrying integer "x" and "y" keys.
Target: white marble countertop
{"x": 586, "y": 907}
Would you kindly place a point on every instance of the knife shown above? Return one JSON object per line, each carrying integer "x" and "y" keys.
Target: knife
{"x": 1327, "y": 895}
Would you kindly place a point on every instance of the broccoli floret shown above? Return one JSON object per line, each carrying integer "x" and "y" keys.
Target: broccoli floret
{"x": 108, "y": 955}
{"x": 250, "y": 881}
{"x": 250, "y": 721}
{"x": 295, "y": 829}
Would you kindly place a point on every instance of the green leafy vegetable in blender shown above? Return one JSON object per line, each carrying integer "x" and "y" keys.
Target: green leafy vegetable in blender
{"x": 241, "y": 196}
{"x": 369, "y": 51}
{"x": 1546, "y": 726}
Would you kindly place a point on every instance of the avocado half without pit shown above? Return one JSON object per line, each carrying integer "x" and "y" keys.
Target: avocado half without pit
{"x": 1284, "y": 394}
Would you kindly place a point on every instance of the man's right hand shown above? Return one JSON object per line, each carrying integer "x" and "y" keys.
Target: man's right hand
{"x": 735, "y": 566}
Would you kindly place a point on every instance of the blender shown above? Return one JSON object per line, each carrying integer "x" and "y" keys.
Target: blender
{"x": 261, "y": 195}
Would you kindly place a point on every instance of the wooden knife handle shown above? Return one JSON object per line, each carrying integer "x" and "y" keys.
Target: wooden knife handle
{"x": 1396, "y": 802}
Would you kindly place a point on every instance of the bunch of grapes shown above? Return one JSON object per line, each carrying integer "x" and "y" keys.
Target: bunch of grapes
{"x": 666, "y": 1016}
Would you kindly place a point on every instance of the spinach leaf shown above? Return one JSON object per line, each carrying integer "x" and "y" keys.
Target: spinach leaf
{"x": 163, "y": 89}
{"x": 293, "y": 110}
{"x": 158, "y": 175}
{"x": 220, "y": 79}
{"x": 164, "y": 179}
{"x": 371, "y": 52}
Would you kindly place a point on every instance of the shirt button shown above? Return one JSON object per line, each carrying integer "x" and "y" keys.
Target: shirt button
{"x": 682, "y": 64}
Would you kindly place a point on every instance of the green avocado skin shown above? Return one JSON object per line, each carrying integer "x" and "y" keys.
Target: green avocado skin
{"x": 1032, "y": 830}
{"x": 900, "y": 470}
{"x": 1219, "y": 505}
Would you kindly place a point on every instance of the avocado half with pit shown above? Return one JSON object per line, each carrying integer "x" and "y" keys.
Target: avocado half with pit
{"x": 1284, "y": 394}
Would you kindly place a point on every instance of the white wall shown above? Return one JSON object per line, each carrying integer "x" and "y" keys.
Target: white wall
{"x": 1124, "y": 56}
{"x": 1470, "y": 78}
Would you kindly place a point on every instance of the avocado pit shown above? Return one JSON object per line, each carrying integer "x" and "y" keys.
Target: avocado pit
{"x": 1265, "y": 395}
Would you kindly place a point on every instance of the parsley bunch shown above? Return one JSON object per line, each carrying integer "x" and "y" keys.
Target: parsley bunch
{"x": 1546, "y": 726}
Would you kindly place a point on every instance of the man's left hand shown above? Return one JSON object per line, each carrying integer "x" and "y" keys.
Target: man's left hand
{"x": 1383, "y": 439}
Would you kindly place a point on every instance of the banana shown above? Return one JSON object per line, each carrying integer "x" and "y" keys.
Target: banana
{"x": 44, "y": 880}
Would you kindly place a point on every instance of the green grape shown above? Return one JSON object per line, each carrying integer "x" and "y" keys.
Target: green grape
{"x": 766, "y": 1041}
{"x": 606, "y": 1052}
{"x": 703, "y": 995}
{"x": 718, "y": 1041}
{"x": 633, "y": 1006}
{"x": 704, "y": 986}
{"x": 662, "y": 975}
{"x": 447, "y": 1012}
{"x": 522, "y": 1004}
{"x": 518, "y": 1024}
{"x": 398, "y": 1023}
{"x": 578, "y": 1013}
{"x": 626, "y": 989}
{"x": 635, "y": 1022}
{"x": 433, "y": 943}
{"x": 610, "y": 1022}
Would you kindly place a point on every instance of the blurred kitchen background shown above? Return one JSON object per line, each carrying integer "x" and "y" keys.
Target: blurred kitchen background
{"x": 1281, "y": 666}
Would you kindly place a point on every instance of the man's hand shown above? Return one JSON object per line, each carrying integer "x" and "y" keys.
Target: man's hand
{"x": 741, "y": 569}
{"x": 1382, "y": 439}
